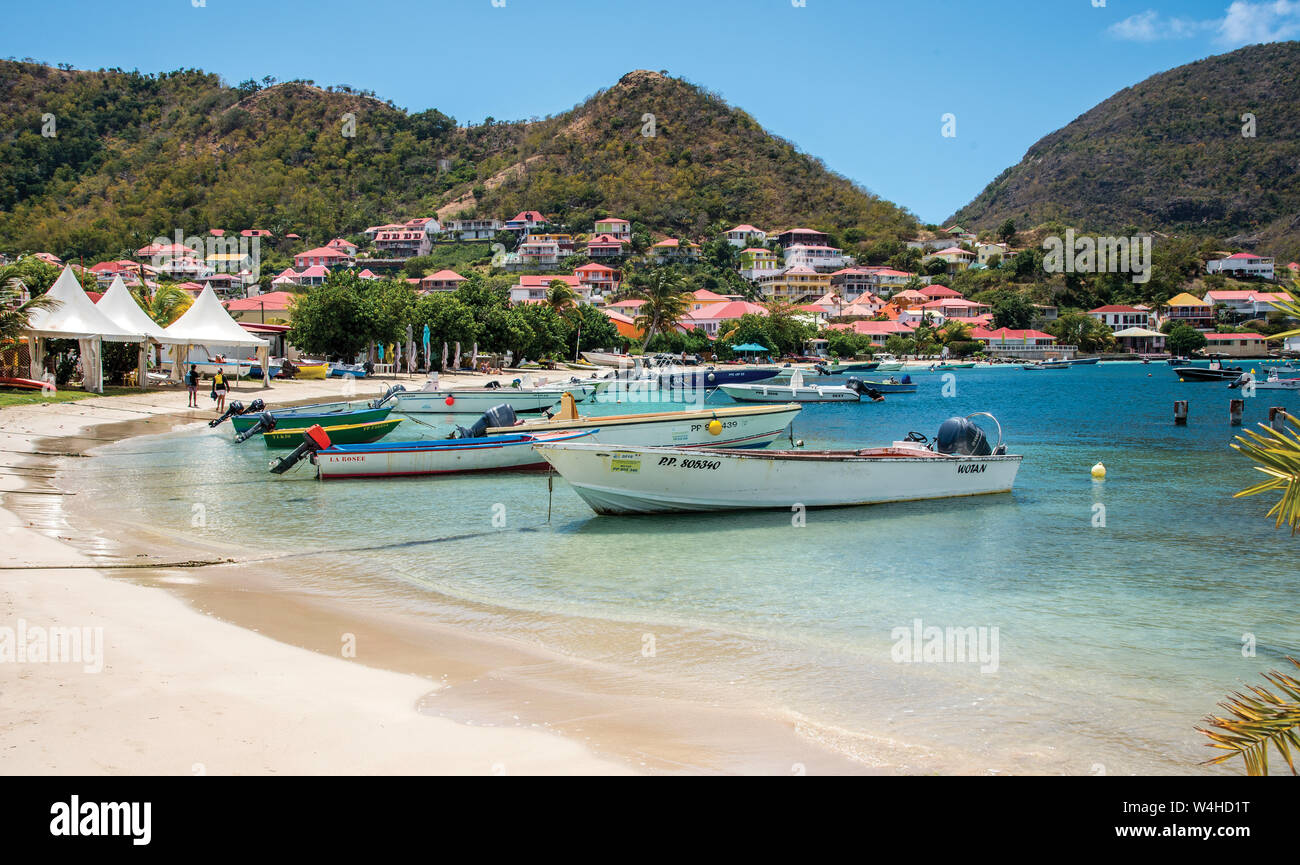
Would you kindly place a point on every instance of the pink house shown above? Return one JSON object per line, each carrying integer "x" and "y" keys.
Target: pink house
{"x": 711, "y": 317}
{"x": 322, "y": 256}
{"x": 605, "y": 246}
{"x": 443, "y": 280}
{"x": 598, "y": 279}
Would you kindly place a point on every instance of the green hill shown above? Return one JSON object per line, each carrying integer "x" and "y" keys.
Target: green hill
{"x": 1168, "y": 154}
{"x": 134, "y": 156}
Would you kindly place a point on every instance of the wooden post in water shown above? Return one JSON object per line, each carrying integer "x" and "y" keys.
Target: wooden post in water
{"x": 1180, "y": 412}
{"x": 1277, "y": 417}
{"x": 1235, "y": 409}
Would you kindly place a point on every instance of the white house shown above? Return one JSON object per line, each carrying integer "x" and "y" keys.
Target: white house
{"x": 821, "y": 258}
{"x": 1120, "y": 317}
{"x": 1242, "y": 264}
{"x": 745, "y": 235}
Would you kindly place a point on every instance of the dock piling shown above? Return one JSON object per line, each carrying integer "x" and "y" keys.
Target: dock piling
{"x": 1277, "y": 417}
{"x": 1180, "y": 412}
{"x": 1235, "y": 409}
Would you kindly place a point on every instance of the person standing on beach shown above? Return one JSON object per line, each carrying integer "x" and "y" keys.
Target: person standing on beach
{"x": 192, "y": 382}
{"x": 219, "y": 387}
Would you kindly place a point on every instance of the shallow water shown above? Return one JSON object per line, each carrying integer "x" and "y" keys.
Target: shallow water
{"x": 1112, "y": 640}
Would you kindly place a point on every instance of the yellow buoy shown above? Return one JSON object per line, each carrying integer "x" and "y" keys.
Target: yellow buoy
{"x": 1099, "y": 471}
{"x": 715, "y": 427}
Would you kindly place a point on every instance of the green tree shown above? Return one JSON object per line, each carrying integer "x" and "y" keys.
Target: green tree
{"x": 1183, "y": 339}
{"x": 14, "y": 314}
{"x": 1014, "y": 311}
{"x": 1007, "y": 231}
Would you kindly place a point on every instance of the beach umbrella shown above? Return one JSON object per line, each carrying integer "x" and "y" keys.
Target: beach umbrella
{"x": 474, "y": 356}
{"x": 381, "y": 353}
{"x": 397, "y": 357}
{"x": 428, "y": 354}
{"x": 444, "y": 357}
{"x": 455, "y": 364}
{"x": 410, "y": 348}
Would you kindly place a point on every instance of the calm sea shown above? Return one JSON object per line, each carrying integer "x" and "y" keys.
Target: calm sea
{"x": 1123, "y": 609}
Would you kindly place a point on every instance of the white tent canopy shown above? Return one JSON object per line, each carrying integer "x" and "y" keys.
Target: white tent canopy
{"x": 207, "y": 322}
{"x": 118, "y": 304}
{"x": 77, "y": 317}
{"x": 1136, "y": 332}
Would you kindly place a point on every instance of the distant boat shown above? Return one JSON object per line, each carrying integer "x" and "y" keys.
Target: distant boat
{"x": 1083, "y": 361}
{"x": 1213, "y": 372}
{"x": 25, "y": 383}
{"x": 352, "y": 433}
{"x": 890, "y": 366}
{"x": 477, "y": 400}
{"x": 602, "y": 358}
{"x": 892, "y": 385}
{"x": 796, "y": 391}
{"x": 1055, "y": 364}
{"x": 1275, "y": 382}
{"x": 944, "y": 366}
{"x": 638, "y": 480}
{"x": 356, "y": 370}
{"x": 731, "y": 426}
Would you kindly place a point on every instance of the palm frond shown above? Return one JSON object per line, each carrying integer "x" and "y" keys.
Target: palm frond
{"x": 1289, "y": 307}
{"x": 1259, "y": 719}
{"x": 1277, "y": 453}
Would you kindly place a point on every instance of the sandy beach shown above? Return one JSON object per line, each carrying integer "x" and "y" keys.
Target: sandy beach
{"x": 182, "y": 692}
{"x": 220, "y": 670}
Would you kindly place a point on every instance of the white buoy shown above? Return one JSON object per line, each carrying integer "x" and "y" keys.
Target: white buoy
{"x": 1099, "y": 471}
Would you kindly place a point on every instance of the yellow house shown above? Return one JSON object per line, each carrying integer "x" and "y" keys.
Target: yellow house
{"x": 799, "y": 284}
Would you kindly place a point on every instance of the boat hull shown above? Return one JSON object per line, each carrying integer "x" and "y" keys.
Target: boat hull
{"x": 890, "y": 387}
{"x": 741, "y": 427}
{"x": 325, "y": 415}
{"x": 622, "y": 481}
{"x": 786, "y": 393}
{"x": 479, "y": 400}
{"x": 439, "y": 457}
{"x": 1201, "y": 373}
{"x": 356, "y": 433}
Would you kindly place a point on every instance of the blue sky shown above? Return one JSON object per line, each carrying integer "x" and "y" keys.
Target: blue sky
{"x": 859, "y": 83}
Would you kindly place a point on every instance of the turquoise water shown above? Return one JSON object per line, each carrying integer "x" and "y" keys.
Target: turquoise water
{"x": 1113, "y": 641}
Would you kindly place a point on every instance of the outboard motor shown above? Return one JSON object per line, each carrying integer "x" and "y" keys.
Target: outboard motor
{"x": 961, "y": 437}
{"x": 497, "y": 416}
{"x": 265, "y": 423}
{"x": 907, "y": 379}
{"x": 821, "y": 368}
{"x": 493, "y": 385}
{"x": 1242, "y": 380}
{"x": 314, "y": 439}
{"x": 388, "y": 394}
{"x": 858, "y": 385}
{"x": 235, "y": 408}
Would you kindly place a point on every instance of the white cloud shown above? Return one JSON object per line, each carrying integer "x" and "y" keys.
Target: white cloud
{"x": 1151, "y": 26}
{"x": 1247, "y": 23}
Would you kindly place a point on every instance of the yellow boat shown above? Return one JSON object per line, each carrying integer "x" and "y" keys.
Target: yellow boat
{"x": 314, "y": 371}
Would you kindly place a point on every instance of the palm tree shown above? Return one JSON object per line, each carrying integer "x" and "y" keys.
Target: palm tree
{"x": 15, "y": 315}
{"x": 665, "y": 304}
{"x": 953, "y": 331}
{"x": 1259, "y": 721}
{"x": 560, "y": 296}
{"x": 164, "y": 304}
{"x": 1278, "y": 450}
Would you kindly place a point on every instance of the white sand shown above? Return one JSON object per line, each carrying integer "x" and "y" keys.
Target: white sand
{"x": 184, "y": 693}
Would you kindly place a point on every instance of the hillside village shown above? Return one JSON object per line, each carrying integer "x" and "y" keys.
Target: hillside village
{"x": 798, "y": 271}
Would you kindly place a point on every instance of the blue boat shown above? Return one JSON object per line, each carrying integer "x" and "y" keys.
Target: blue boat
{"x": 397, "y": 459}
{"x": 712, "y": 377}
{"x": 356, "y": 370}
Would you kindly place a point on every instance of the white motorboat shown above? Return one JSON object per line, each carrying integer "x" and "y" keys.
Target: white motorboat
{"x": 1272, "y": 382}
{"x": 796, "y": 391}
{"x": 732, "y": 426}
{"x": 601, "y": 358}
{"x": 640, "y": 480}
{"x": 524, "y": 399}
